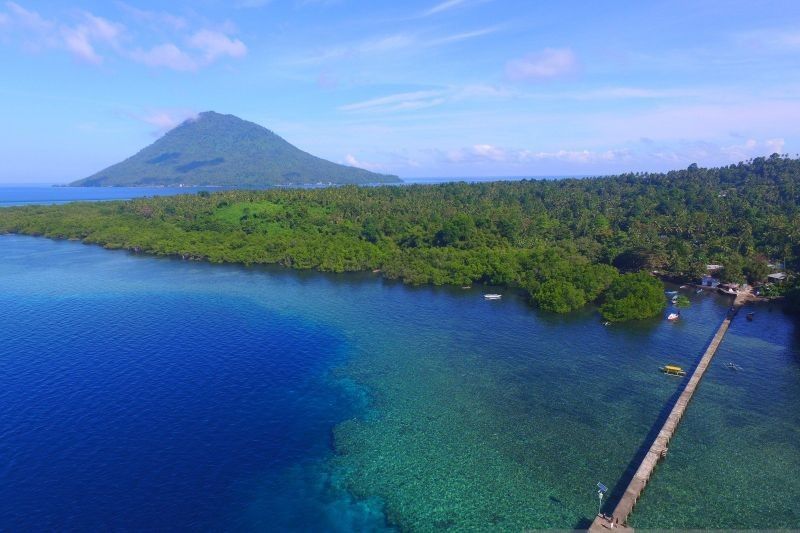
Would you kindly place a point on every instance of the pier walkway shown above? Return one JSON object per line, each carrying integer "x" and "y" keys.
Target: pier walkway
{"x": 658, "y": 450}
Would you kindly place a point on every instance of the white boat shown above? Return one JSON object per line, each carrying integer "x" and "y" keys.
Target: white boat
{"x": 674, "y": 316}
{"x": 492, "y": 296}
{"x": 670, "y": 293}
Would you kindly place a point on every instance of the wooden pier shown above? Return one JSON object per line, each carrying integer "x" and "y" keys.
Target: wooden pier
{"x": 658, "y": 450}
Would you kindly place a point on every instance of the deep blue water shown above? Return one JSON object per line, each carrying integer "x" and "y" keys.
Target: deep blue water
{"x": 131, "y": 398}
{"x": 145, "y": 393}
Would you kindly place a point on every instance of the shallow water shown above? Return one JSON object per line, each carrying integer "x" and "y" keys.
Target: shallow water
{"x": 143, "y": 392}
{"x": 735, "y": 460}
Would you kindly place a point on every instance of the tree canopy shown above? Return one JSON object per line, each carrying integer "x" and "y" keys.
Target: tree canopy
{"x": 565, "y": 242}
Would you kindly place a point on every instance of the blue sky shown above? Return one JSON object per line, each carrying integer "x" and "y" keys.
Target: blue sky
{"x": 415, "y": 88}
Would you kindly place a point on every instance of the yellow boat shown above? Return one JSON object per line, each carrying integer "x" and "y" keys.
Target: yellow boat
{"x": 673, "y": 370}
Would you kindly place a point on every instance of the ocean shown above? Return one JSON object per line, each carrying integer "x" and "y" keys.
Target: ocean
{"x": 151, "y": 393}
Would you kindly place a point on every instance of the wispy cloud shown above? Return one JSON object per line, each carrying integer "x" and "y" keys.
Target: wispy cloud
{"x": 165, "y": 55}
{"x": 444, "y": 6}
{"x": 415, "y": 100}
{"x": 91, "y": 38}
{"x": 156, "y": 18}
{"x": 483, "y": 153}
{"x": 396, "y": 42}
{"x": 214, "y": 44}
{"x": 398, "y": 102}
{"x": 164, "y": 120}
{"x": 81, "y": 39}
{"x": 771, "y": 40}
{"x": 251, "y": 3}
{"x": 461, "y": 36}
{"x": 547, "y": 64}
{"x": 491, "y": 159}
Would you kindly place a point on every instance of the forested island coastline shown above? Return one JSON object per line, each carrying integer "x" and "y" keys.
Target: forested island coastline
{"x": 565, "y": 242}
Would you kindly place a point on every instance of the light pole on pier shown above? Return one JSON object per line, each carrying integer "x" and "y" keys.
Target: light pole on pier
{"x": 601, "y": 491}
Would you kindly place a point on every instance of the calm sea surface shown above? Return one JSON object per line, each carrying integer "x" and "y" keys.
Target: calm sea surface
{"x": 10, "y": 196}
{"x": 144, "y": 393}
{"x": 43, "y": 194}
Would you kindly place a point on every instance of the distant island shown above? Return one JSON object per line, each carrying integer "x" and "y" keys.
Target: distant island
{"x": 224, "y": 150}
{"x": 565, "y": 243}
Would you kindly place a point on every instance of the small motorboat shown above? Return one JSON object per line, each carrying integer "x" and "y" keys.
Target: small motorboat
{"x": 733, "y": 366}
{"x": 673, "y": 370}
{"x": 674, "y": 299}
{"x": 465, "y": 287}
{"x": 606, "y": 323}
{"x": 698, "y": 291}
{"x": 492, "y": 296}
{"x": 750, "y": 317}
{"x": 673, "y": 316}
{"x": 670, "y": 293}
{"x": 728, "y": 288}
{"x": 683, "y": 287}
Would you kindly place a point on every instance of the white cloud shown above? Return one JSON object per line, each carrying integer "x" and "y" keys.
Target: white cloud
{"x": 165, "y": 55}
{"x": 91, "y": 38}
{"x": 79, "y": 44}
{"x": 29, "y": 20}
{"x": 80, "y": 39}
{"x": 488, "y": 153}
{"x": 164, "y": 120}
{"x": 351, "y": 160}
{"x": 549, "y": 63}
{"x": 214, "y": 45}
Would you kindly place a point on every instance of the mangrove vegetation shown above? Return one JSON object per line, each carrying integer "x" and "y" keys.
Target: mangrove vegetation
{"x": 564, "y": 242}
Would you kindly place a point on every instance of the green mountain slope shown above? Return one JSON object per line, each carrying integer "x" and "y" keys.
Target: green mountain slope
{"x": 216, "y": 149}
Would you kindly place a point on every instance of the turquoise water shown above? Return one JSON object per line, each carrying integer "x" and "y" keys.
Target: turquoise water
{"x": 735, "y": 460}
{"x": 151, "y": 393}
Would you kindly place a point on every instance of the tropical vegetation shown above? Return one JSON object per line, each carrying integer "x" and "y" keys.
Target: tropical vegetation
{"x": 564, "y": 242}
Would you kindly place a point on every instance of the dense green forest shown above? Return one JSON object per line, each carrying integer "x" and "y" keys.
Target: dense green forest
{"x": 565, "y": 242}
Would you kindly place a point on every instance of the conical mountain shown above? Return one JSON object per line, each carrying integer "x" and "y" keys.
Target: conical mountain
{"x": 215, "y": 149}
